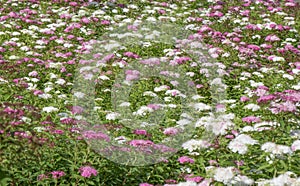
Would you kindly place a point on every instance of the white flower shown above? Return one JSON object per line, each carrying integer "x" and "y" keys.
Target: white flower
{"x": 224, "y": 175}
{"x": 26, "y": 120}
{"x": 34, "y": 80}
{"x": 239, "y": 144}
{"x": 216, "y": 81}
{"x": 45, "y": 96}
{"x": 39, "y": 129}
{"x": 112, "y": 116}
{"x": 121, "y": 139}
{"x": 55, "y": 65}
{"x": 143, "y": 111}
{"x": 246, "y": 139}
{"x": 275, "y": 149}
{"x": 171, "y": 105}
{"x": 48, "y": 89}
{"x": 258, "y": 74}
{"x": 296, "y": 71}
{"x": 252, "y": 107}
{"x": 125, "y": 104}
{"x": 254, "y": 84}
{"x": 276, "y": 59}
{"x": 60, "y": 81}
{"x": 296, "y": 87}
{"x": 217, "y": 124}
{"x": 290, "y": 77}
{"x": 79, "y": 94}
{"x": 183, "y": 122}
{"x": 193, "y": 144}
{"x": 296, "y": 145}
{"x": 50, "y": 109}
{"x": 242, "y": 180}
{"x": 31, "y": 86}
{"x": 161, "y": 88}
{"x": 283, "y": 179}
{"x": 103, "y": 77}
{"x": 201, "y": 106}
{"x": 195, "y": 97}
{"x": 247, "y": 129}
{"x": 13, "y": 57}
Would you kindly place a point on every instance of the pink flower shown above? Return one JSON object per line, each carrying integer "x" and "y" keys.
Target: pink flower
{"x": 236, "y": 39}
{"x": 131, "y": 55}
{"x": 170, "y": 131}
{"x": 287, "y": 107}
{"x": 161, "y": 11}
{"x": 33, "y": 74}
{"x": 170, "y": 181}
{"x": 77, "y": 110}
{"x": 261, "y": 91}
{"x": 264, "y": 99}
{"x": 190, "y": 177}
{"x": 150, "y": 61}
{"x": 88, "y": 171}
{"x": 213, "y": 162}
{"x": 57, "y": 174}
{"x": 244, "y": 98}
{"x": 254, "y": 47}
{"x": 85, "y": 20}
{"x": 140, "y": 132}
{"x": 145, "y": 184}
{"x": 42, "y": 176}
{"x": 95, "y": 135}
{"x": 58, "y": 132}
{"x": 132, "y": 27}
{"x": 182, "y": 60}
{"x": 239, "y": 163}
{"x": 199, "y": 86}
{"x": 272, "y": 38}
{"x": 229, "y": 136}
{"x": 68, "y": 121}
{"x": 73, "y": 3}
{"x": 234, "y": 132}
{"x": 250, "y": 119}
{"x": 153, "y": 106}
{"x": 105, "y": 22}
{"x": 137, "y": 143}
{"x": 185, "y": 159}
{"x": 132, "y": 75}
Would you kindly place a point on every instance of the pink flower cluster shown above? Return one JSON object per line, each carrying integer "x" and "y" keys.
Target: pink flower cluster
{"x": 88, "y": 171}
{"x": 250, "y": 119}
{"x": 132, "y": 75}
{"x": 57, "y": 174}
{"x": 95, "y": 135}
{"x": 185, "y": 159}
{"x": 191, "y": 177}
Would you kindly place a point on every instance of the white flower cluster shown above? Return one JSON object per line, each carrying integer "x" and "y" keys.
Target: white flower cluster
{"x": 228, "y": 176}
{"x": 218, "y": 124}
{"x": 224, "y": 175}
{"x": 143, "y": 111}
{"x": 276, "y": 149}
{"x": 261, "y": 126}
{"x": 50, "y": 109}
{"x": 201, "y": 106}
{"x": 283, "y": 179}
{"x": 193, "y": 144}
{"x": 112, "y": 116}
{"x": 239, "y": 144}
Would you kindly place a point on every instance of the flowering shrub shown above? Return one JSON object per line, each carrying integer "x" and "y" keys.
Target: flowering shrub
{"x": 254, "y": 129}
